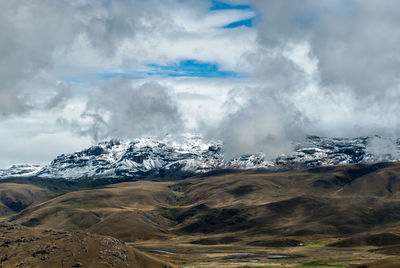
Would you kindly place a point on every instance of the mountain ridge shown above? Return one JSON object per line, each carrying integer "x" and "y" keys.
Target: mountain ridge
{"x": 149, "y": 157}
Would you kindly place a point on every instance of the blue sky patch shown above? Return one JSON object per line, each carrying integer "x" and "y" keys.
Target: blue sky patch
{"x": 184, "y": 68}
{"x": 247, "y": 23}
{"x": 190, "y": 68}
{"x": 219, "y": 5}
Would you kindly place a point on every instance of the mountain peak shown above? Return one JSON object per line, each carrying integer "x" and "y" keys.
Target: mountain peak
{"x": 151, "y": 157}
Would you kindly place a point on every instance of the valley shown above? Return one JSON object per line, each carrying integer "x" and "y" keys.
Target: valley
{"x": 336, "y": 216}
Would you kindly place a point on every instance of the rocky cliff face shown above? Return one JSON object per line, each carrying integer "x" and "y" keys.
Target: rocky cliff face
{"x": 192, "y": 155}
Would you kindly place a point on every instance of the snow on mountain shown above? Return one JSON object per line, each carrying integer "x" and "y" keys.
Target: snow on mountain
{"x": 192, "y": 155}
{"x": 20, "y": 170}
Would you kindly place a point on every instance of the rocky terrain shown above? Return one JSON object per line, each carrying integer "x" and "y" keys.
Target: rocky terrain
{"x": 27, "y": 247}
{"x": 147, "y": 158}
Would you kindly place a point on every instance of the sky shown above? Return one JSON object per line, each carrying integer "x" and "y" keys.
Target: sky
{"x": 254, "y": 74}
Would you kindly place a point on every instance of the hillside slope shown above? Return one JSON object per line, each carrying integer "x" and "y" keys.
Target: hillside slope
{"x": 26, "y": 247}
{"x": 327, "y": 201}
{"x": 16, "y": 197}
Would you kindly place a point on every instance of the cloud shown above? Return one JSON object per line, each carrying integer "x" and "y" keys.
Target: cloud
{"x": 383, "y": 148}
{"x": 35, "y": 139}
{"x": 355, "y": 42}
{"x": 353, "y": 46}
{"x": 52, "y": 46}
{"x": 321, "y": 70}
{"x": 256, "y": 122}
{"x": 47, "y": 41}
{"x": 11, "y": 104}
{"x": 263, "y": 117}
{"x": 33, "y": 32}
{"x": 311, "y": 67}
{"x": 116, "y": 109}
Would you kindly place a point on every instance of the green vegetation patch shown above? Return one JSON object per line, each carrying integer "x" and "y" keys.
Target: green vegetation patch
{"x": 319, "y": 265}
{"x": 175, "y": 211}
{"x": 32, "y": 222}
{"x": 319, "y": 243}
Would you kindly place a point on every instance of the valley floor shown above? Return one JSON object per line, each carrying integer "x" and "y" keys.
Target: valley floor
{"x": 314, "y": 253}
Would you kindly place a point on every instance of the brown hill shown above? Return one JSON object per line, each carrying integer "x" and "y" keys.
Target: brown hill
{"x": 15, "y": 197}
{"x": 383, "y": 239}
{"x": 27, "y": 247}
{"x": 329, "y": 201}
{"x": 126, "y": 211}
{"x": 386, "y": 263}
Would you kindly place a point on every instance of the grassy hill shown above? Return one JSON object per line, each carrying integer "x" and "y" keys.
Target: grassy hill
{"x": 333, "y": 201}
{"x": 16, "y": 197}
{"x": 251, "y": 209}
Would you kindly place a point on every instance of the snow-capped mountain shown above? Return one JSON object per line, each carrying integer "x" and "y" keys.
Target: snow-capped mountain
{"x": 190, "y": 155}
{"x": 20, "y": 170}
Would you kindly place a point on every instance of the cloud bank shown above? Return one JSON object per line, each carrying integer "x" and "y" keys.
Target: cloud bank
{"x": 102, "y": 69}
{"x": 354, "y": 48}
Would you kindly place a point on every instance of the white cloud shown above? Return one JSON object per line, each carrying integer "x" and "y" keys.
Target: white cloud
{"x": 317, "y": 67}
{"x": 35, "y": 139}
{"x": 50, "y": 42}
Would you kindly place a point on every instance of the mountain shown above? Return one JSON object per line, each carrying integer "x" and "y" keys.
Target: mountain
{"x": 148, "y": 157}
{"x": 20, "y": 170}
